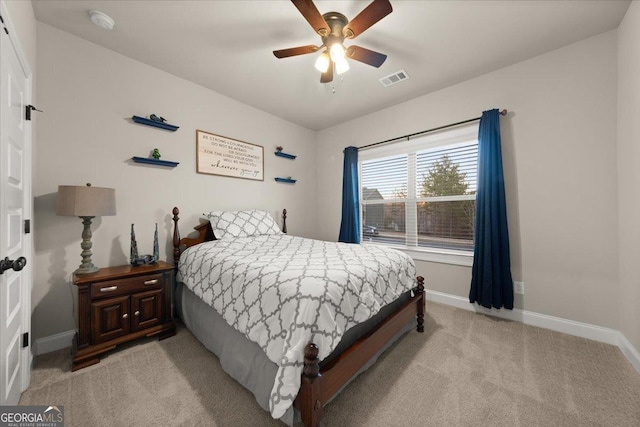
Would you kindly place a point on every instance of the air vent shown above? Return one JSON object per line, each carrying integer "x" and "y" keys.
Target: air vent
{"x": 394, "y": 78}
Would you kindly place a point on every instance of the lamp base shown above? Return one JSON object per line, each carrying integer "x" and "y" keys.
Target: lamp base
{"x": 86, "y": 267}
{"x": 86, "y": 270}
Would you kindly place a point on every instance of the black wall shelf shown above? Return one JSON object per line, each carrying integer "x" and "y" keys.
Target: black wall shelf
{"x": 285, "y": 155}
{"x": 150, "y": 161}
{"x": 149, "y": 122}
{"x": 286, "y": 180}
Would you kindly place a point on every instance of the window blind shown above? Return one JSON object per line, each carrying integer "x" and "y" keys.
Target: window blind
{"x": 424, "y": 197}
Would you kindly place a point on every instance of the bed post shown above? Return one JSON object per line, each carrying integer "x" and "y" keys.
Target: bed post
{"x": 421, "y": 302}
{"x": 309, "y": 397}
{"x": 284, "y": 221}
{"x": 176, "y": 238}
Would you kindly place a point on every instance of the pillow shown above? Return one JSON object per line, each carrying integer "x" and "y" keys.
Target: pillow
{"x": 234, "y": 224}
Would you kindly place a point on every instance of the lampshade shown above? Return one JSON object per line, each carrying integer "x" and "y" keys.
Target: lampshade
{"x": 76, "y": 200}
{"x": 337, "y": 52}
{"x": 323, "y": 62}
{"x": 342, "y": 66}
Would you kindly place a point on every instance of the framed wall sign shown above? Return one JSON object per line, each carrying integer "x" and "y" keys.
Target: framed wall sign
{"x": 219, "y": 155}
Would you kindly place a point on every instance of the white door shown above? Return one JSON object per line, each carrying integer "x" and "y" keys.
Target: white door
{"x": 15, "y": 208}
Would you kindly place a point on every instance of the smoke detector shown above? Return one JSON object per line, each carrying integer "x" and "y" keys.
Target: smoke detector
{"x": 101, "y": 19}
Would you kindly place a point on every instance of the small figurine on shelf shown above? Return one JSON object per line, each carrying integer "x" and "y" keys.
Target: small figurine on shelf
{"x": 157, "y": 118}
{"x": 155, "y": 154}
{"x": 279, "y": 148}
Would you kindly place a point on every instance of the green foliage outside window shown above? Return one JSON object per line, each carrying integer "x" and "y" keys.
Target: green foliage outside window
{"x": 454, "y": 219}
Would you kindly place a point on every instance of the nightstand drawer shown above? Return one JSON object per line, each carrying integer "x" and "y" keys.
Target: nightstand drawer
{"x": 126, "y": 286}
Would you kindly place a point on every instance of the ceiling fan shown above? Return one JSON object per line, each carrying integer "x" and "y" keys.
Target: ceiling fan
{"x": 333, "y": 28}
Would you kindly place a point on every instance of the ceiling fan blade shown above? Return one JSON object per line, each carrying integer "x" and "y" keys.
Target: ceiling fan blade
{"x": 371, "y": 14}
{"x": 366, "y": 56}
{"x": 313, "y": 16}
{"x": 295, "y": 51}
{"x": 327, "y": 76}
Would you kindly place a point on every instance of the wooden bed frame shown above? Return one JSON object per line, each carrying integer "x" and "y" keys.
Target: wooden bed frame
{"x": 318, "y": 386}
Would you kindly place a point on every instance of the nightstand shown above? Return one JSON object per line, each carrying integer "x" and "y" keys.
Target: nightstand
{"x": 120, "y": 304}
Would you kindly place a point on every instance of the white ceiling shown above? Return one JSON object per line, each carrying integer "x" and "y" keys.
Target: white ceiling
{"x": 227, "y": 45}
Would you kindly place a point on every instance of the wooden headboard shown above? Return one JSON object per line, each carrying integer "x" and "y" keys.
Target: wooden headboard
{"x": 205, "y": 234}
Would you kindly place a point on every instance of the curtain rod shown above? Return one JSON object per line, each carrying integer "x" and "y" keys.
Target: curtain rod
{"x": 400, "y": 138}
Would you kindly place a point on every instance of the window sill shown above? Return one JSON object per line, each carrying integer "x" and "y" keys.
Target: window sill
{"x": 442, "y": 256}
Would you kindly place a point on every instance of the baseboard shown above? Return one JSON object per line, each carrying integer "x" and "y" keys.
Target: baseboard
{"x": 53, "y": 342}
{"x": 629, "y": 351}
{"x": 584, "y": 330}
{"x": 570, "y": 327}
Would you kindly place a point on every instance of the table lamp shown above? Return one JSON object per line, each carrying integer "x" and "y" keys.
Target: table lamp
{"x": 86, "y": 202}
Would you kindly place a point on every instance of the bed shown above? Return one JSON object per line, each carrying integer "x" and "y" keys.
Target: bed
{"x": 292, "y": 319}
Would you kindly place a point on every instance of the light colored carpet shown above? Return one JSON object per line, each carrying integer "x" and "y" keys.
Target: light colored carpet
{"x": 466, "y": 369}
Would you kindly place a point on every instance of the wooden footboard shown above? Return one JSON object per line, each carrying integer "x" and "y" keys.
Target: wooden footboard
{"x": 318, "y": 386}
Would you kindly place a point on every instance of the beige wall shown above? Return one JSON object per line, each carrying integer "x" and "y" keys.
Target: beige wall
{"x": 628, "y": 175}
{"x": 560, "y": 164}
{"x": 88, "y": 94}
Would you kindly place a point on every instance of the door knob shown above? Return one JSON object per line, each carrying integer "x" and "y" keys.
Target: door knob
{"x": 16, "y": 265}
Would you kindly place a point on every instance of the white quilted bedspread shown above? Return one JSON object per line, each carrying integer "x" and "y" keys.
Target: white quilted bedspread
{"x": 283, "y": 292}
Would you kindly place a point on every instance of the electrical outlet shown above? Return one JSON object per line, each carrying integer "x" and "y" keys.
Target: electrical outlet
{"x": 518, "y": 287}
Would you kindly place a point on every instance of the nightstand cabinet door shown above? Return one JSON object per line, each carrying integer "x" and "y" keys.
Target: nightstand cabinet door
{"x": 110, "y": 318}
{"x": 147, "y": 309}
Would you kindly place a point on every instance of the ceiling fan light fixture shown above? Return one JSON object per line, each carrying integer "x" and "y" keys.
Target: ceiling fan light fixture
{"x": 342, "y": 66}
{"x": 333, "y": 28}
{"x": 337, "y": 52}
{"x": 322, "y": 63}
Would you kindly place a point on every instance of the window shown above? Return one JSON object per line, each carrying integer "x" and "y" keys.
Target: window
{"x": 420, "y": 194}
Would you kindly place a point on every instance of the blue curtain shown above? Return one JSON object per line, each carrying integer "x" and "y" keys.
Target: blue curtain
{"x": 350, "y": 224}
{"x": 491, "y": 282}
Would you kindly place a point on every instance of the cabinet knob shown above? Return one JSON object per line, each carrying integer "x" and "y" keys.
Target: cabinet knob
{"x": 137, "y": 313}
{"x": 124, "y": 316}
{"x": 151, "y": 282}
